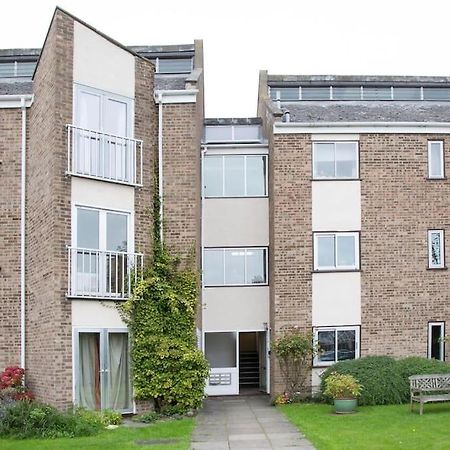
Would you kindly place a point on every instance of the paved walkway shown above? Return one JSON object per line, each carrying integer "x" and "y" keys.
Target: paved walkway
{"x": 246, "y": 422}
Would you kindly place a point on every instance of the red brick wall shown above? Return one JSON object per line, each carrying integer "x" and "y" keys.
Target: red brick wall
{"x": 146, "y": 129}
{"x": 49, "y": 341}
{"x": 10, "y": 168}
{"x": 290, "y": 238}
{"x": 399, "y": 294}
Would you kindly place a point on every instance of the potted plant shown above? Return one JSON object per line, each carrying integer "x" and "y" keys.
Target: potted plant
{"x": 344, "y": 390}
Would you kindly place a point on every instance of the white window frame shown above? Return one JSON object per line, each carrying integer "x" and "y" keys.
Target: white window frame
{"x": 430, "y": 342}
{"x": 245, "y": 177}
{"x": 441, "y": 159}
{"x": 334, "y": 143}
{"x": 335, "y": 267}
{"x": 441, "y": 248}
{"x": 244, "y": 249}
{"x": 355, "y": 328}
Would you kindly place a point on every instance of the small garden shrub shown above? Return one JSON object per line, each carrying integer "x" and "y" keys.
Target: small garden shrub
{"x": 385, "y": 379}
{"x": 99, "y": 418}
{"x": 29, "y": 419}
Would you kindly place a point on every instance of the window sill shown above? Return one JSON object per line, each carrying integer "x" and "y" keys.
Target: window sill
{"x": 435, "y": 178}
{"x": 336, "y": 271}
{"x": 236, "y": 197}
{"x": 437, "y": 268}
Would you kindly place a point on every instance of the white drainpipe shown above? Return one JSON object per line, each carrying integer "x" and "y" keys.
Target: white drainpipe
{"x": 22, "y": 232}
{"x": 160, "y": 165}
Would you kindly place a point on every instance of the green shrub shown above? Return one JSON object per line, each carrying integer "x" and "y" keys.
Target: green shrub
{"x": 342, "y": 386}
{"x": 385, "y": 379}
{"x": 28, "y": 419}
{"x": 99, "y": 418}
{"x": 148, "y": 417}
{"x": 382, "y": 383}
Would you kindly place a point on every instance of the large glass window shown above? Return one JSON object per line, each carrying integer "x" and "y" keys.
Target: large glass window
{"x": 436, "y": 257}
{"x": 436, "y": 335}
{"x": 174, "y": 65}
{"x": 336, "y": 251}
{"x": 435, "y": 159}
{"x": 235, "y": 176}
{"x": 333, "y": 160}
{"x": 336, "y": 344}
{"x": 234, "y": 266}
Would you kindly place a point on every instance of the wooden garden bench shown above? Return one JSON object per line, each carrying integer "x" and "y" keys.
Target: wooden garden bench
{"x": 429, "y": 388}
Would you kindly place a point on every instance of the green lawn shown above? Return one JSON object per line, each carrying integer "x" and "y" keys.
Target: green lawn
{"x": 373, "y": 427}
{"x": 120, "y": 438}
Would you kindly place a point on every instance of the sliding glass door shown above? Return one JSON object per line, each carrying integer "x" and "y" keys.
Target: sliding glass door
{"x": 102, "y": 377}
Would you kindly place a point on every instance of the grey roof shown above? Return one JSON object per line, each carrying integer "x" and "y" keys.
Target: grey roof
{"x": 233, "y": 121}
{"x": 18, "y": 54}
{"x": 16, "y": 88}
{"x": 284, "y": 80}
{"x": 170, "y": 82}
{"x": 373, "y": 111}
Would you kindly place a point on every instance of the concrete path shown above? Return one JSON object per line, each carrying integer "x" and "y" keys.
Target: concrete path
{"x": 246, "y": 422}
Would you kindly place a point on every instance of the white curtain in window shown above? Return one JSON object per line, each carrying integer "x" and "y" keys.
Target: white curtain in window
{"x": 119, "y": 372}
{"x": 89, "y": 376}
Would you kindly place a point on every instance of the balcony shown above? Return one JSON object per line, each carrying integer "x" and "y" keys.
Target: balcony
{"x": 101, "y": 274}
{"x": 103, "y": 156}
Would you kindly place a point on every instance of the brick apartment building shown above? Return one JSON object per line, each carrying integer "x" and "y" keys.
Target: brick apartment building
{"x": 327, "y": 212}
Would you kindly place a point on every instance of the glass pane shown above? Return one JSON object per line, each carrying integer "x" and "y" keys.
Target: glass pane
{"x": 346, "y": 154}
{"x": 377, "y": 93}
{"x": 324, "y": 160}
{"x": 247, "y": 133}
{"x": 115, "y": 121}
{"x": 218, "y": 134}
{"x": 235, "y": 266}
{"x": 87, "y": 228}
{"x": 176, "y": 65}
{"x": 346, "y": 251}
{"x": 436, "y": 169}
{"x": 436, "y": 342}
{"x": 220, "y": 349}
{"x": 234, "y": 176}
{"x": 116, "y": 232}
{"x": 256, "y": 266}
{"x": 346, "y": 344}
{"x": 256, "y": 175}
{"x": 89, "y": 111}
{"x": 213, "y": 176}
{"x": 316, "y": 93}
{"x": 89, "y": 370}
{"x": 326, "y": 340}
{"x": 287, "y": 93}
{"x": 25, "y": 69}
{"x": 436, "y": 259}
{"x": 346, "y": 93}
{"x": 430, "y": 93}
{"x": 7, "y": 70}
{"x": 325, "y": 251}
{"x": 406, "y": 93}
{"x": 119, "y": 385}
{"x": 213, "y": 268}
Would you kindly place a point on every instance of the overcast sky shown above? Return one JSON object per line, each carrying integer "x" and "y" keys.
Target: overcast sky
{"x": 241, "y": 37}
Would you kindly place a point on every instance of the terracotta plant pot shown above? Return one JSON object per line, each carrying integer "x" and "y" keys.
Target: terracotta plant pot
{"x": 345, "y": 406}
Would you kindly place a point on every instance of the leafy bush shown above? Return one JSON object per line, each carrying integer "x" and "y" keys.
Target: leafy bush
{"x": 385, "y": 379}
{"x": 148, "y": 417}
{"x": 295, "y": 351}
{"x": 11, "y": 384}
{"x": 382, "y": 383}
{"x": 99, "y": 418}
{"x": 161, "y": 316}
{"x": 340, "y": 386}
{"x": 28, "y": 419}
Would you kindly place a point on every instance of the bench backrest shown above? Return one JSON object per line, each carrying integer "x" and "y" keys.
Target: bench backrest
{"x": 430, "y": 382}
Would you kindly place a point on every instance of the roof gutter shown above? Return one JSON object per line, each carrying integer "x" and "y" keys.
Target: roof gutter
{"x": 361, "y": 127}
{"x": 16, "y": 101}
{"x": 175, "y": 96}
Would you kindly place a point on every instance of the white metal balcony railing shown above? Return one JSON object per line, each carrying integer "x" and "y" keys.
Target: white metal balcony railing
{"x": 104, "y": 156}
{"x": 103, "y": 274}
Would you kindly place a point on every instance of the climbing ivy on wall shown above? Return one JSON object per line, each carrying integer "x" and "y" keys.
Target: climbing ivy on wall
{"x": 167, "y": 366}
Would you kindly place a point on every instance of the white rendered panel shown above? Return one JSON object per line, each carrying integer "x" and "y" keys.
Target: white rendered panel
{"x": 99, "y": 63}
{"x": 236, "y": 222}
{"x": 336, "y": 299}
{"x": 336, "y": 205}
{"x": 95, "y": 314}
{"x": 235, "y": 308}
